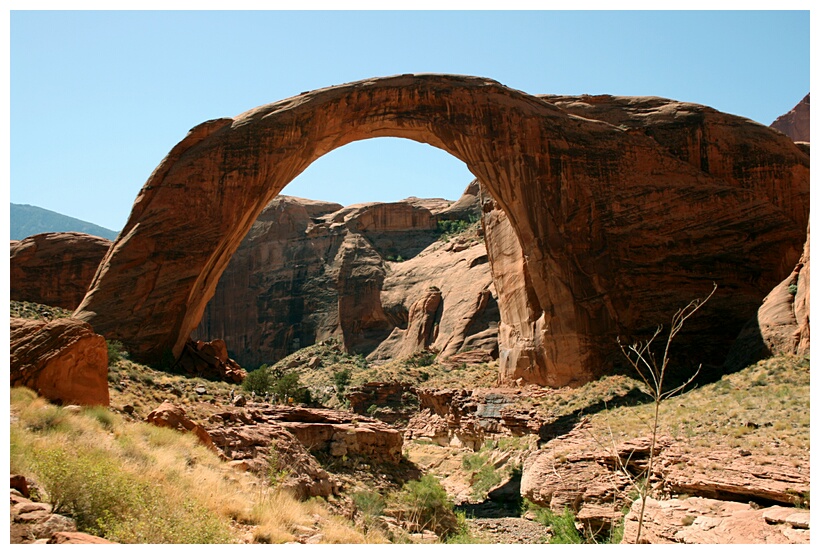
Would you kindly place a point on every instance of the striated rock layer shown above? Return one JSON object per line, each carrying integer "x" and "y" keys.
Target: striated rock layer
{"x": 55, "y": 268}
{"x": 625, "y": 208}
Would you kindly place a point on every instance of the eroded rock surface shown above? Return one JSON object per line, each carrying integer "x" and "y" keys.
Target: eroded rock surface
{"x": 55, "y": 269}
{"x": 697, "y": 520}
{"x": 623, "y": 214}
{"x": 63, "y": 360}
{"x": 466, "y": 418}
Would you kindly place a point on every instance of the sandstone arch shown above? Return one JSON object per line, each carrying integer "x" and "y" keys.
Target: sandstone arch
{"x": 601, "y": 213}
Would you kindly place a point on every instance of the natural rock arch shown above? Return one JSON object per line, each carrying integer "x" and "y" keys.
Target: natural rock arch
{"x": 597, "y": 210}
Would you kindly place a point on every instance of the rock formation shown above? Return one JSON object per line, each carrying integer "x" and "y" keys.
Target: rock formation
{"x": 210, "y": 360}
{"x": 62, "y": 360}
{"x": 310, "y": 271}
{"x": 173, "y": 417}
{"x": 781, "y": 325}
{"x": 464, "y": 418}
{"x": 55, "y": 268}
{"x": 697, "y": 520}
{"x": 797, "y": 123}
{"x": 625, "y": 208}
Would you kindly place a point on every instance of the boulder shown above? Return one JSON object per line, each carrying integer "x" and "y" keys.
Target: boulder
{"x": 173, "y": 417}
{"x": 55, "y": 269}
{"x": 62, "y": 360}
{"x": 210, "y": 360}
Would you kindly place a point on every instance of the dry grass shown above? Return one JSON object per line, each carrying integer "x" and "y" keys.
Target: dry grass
{"x": 134, "y": 482}
{"x": 764, "y": 407}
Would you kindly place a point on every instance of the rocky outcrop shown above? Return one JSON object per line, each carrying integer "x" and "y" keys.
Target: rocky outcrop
{"x": 623, "y": 214}
{"x": 173, "y": 417}
{"x": 463, "y": 418}
{"x": 210, "y": 360}
{"x": 796, "y": 124}
{"x": 695, "y": 520}
{"x": 55, "y": 269}
{"x": 311, "y": 271}
{"x": 586, "y": 475}
{"x": 265, "y": 448}
{"x": 781, "y": 325}
{"x": 63, "y": 360}
{"x": 328, "y": 432}
{"x": 391, "y": 401}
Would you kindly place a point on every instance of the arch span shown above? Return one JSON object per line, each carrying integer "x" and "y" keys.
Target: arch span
{"x": 598, "y": 212}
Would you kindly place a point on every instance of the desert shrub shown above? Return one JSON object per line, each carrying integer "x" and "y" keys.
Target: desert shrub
{"x": 258, "y": 381}
{"x": 341, "y": 379}
{"x": 424, "y": 503}
{"x": 562, "y": 526}
{"x": 423, "y": 358}
{"x": 116, "y": 351}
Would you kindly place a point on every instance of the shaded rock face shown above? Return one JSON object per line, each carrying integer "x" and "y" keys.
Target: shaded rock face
{"x": 55, "y": 269}
{"x": 781, "y": 325}
{"x": 210, "y": 360}
{"x": 620, "y": 225}
{"x": 62, "y": 360}
{"x": 393, "y": 401}
{"x": 796, "y": 124}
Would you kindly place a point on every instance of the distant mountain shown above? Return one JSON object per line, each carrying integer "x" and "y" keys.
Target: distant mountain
{"x": 30, "y": 220}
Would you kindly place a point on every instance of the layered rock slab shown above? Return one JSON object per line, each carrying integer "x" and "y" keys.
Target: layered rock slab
{"x": 55, "y": 269}
{"x": 621, "y": 225}
{"x": 63, "y": 360}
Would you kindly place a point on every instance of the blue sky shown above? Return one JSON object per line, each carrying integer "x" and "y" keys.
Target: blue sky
{"x": 98, "y": 98}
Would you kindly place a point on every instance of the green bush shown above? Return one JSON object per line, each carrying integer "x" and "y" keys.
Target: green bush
{"x": 116, "y": 351}
{"x": 288, "y": 386}
{"x": 258, "y": 381}
{"x": 425, "y": 503}
{"x": 562, "y": 526}
{"x": 341, "y": 379}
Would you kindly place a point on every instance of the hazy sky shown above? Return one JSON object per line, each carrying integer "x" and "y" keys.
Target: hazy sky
{"x": 98, "y": 98}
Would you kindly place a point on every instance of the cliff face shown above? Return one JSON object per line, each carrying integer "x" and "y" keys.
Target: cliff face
{"x": 309, "y": 271}
{"x": 796, "y": 124}
{"x": 55, "y": 268}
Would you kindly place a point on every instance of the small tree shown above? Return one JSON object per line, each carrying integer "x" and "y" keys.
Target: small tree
{"x": 258, "y": 381}
{"x": 653, "y": 372}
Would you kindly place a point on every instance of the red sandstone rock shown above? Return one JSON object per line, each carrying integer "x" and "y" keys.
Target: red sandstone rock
{"x": 173, "y": 417}
{"x": 705, "y": 521}
{"x": 262, "y": 445}
{"x": 210, "y": 360}
{"x": 620, "y": 225}
{"x": 55, "y": 268}
{"x": 62, "y": 360}
{"x": 66, "y": 537}
{"x": 796, "y": 124}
